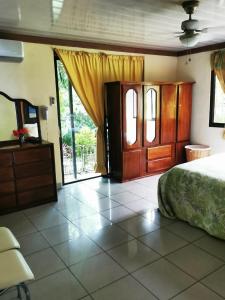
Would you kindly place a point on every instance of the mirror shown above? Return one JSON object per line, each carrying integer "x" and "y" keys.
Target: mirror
{"x": 150, "y": 109}
{"x": 131, "y": 116}
{"x": 16, "y": 114}
{"x": 8, "y": 119}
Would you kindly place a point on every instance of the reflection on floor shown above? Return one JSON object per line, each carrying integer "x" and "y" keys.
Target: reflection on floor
{"x": 107, "y": 241}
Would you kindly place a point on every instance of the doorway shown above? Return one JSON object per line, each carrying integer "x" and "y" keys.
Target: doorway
{"x": 77, "y": 131}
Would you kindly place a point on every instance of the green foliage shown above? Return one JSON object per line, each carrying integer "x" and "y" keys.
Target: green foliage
{"x": 67, "y": 139}
{"x": 86, "y": 137}
{"x": 83, "y": 120}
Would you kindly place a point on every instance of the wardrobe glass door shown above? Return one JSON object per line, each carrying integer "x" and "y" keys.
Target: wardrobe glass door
{"x": 132, "y": 116}
{"x": 151, "y": 115}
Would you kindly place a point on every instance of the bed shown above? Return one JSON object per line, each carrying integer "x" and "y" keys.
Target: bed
{"x": 195, "y": 192}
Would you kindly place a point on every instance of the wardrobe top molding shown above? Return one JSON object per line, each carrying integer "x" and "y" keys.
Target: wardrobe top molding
{"x": 151, "y": 82}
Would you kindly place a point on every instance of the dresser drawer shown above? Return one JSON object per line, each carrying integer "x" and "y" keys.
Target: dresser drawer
{"x": 7, "y": 188}
{"x": 29, "y": 183}
{"x": 5, "y": 159}
{"x": 36, "y": 196}
{"x": 33, "y": 169}
{"x": 34, "y": 155}
{"x": 159, "y": 164}
{"x": 159, "y": 152}
{"x": 6, "y": 174}
{"x": 7, "y": 201}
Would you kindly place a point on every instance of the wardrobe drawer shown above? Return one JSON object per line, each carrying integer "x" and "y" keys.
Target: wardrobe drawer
{"x": 7, "y": 201}
{"x": 34, "y": 155}
{"x": 6, "y": 174}
{"x": 7, "y": 188}
{"x": 159, "y": 164}
{"x": 36, "y": 196}
{"x": 29, "y": 183}
{"x": 5, "y": 159}
{"x": 159, "y": 152}
{"x": 34, "y": 169}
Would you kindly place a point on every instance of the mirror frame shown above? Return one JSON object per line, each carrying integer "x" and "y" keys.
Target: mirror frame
{"x": 17, "y": 101}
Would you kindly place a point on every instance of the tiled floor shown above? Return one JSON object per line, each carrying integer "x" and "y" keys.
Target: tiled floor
{"x": 107, "y": 241}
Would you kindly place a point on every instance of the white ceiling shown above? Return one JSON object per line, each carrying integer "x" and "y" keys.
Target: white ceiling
{"x": 135, "y": 23}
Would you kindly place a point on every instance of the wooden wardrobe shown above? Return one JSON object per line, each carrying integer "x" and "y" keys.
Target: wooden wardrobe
{"x": 147, "y": 126}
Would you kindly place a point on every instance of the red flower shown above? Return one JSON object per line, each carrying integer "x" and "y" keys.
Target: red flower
{"x": 19, "y": 132}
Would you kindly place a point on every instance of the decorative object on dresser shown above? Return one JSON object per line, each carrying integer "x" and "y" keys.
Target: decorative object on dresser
{"x": 27, "y": 173}
{"x": 147, "y": 125}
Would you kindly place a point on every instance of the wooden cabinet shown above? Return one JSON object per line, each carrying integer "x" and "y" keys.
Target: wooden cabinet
{"x": 27, "y": 176}
{"x": 168, "y": 113}
{"x": 148, "y": 125}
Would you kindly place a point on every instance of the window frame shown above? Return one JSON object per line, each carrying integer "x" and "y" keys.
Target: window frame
{"x": 212, "y": 103}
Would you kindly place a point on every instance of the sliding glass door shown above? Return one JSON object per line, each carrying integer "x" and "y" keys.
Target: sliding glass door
{"x": 77, "y": 132}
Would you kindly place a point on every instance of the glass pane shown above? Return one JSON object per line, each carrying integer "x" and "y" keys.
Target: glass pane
{"x": 8, "y": 119}
{"x": 131, "y": 116}
{"x": 219, "y": 109}
{"x": 150, "y": 103}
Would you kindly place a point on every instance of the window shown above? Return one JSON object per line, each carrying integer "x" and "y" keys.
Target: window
{"x": 217, "y": 104}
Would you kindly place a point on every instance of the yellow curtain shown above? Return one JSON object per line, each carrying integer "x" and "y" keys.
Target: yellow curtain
{"x": 87, "y": 73}
{"x": 123, "y": 67}
{"x": 218, "y": 66}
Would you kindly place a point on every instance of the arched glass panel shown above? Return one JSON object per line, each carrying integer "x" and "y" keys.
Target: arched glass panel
{"x": 131, "y": 116}
{"x": 150, "y": 103}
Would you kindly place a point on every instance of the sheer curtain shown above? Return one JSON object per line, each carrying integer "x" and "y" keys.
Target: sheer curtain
{"x": 87, "y": 73}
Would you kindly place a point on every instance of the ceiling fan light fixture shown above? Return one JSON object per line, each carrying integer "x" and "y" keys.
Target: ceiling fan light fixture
{"x": 189, "y": 40}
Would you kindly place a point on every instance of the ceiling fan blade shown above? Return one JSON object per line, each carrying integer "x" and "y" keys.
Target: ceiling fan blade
{"x": 215, "y": 29}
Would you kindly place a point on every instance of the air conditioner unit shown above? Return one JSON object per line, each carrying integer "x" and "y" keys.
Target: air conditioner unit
{"x": 11, "y": 51}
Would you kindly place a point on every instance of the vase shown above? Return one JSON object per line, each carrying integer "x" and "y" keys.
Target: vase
{"x": 21, "y": 140}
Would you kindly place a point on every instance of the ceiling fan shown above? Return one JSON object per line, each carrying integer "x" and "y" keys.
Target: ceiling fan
{"x": 191, "y": 27}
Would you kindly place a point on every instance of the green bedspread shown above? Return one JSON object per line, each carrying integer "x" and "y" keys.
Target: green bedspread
{"x": 195, "y": 192}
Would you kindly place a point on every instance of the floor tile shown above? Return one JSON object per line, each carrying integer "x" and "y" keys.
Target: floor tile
{"x": 162, "y": 241}
{"x": 125, "y": 197}
{"x": 140, "y": 205}
{"x": 76, "y": 250}
{"x": 73, "y": 213}
{"x": 97, "y": 271}
{"x": 186, "y": 231}
{"x": 215, "y": 281}
{"x": 163, "y": 279}
{"x": 140, "y": 190}
{"x": 124, "y": 289}
{"x": 46, "y": 220}
{"x": 133, "y": 255}
{"x": 10, "y": 219}
{"x": 109, "y": 189}
{"x": 44, "y": 263}
{"x": 61, "y": 233}
{"x": 194, "y": 261}
{"x": 138, "y": 226}
{"x": 110, "y": 236}
{"x": 212, "y": 245}
{"x": 118, "y": 214}
{"x": 156, "y": 217}
{"x": 49, "y": 207}
{"x": 197, "y": 292}
{"x": 59, "y": 286}
{"x": 92, "y": 223}
{"x": 32, "y": 243}
{"x": 101, "y": 204}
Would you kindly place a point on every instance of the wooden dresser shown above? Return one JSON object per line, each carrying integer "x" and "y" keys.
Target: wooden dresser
{"x": 27, "y": 176}
{"x": 148, "y": 125}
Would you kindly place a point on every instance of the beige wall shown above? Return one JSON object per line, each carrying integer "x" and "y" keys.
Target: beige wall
{"x": 199, "y": 71}
{"x": 34, "y": 79}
